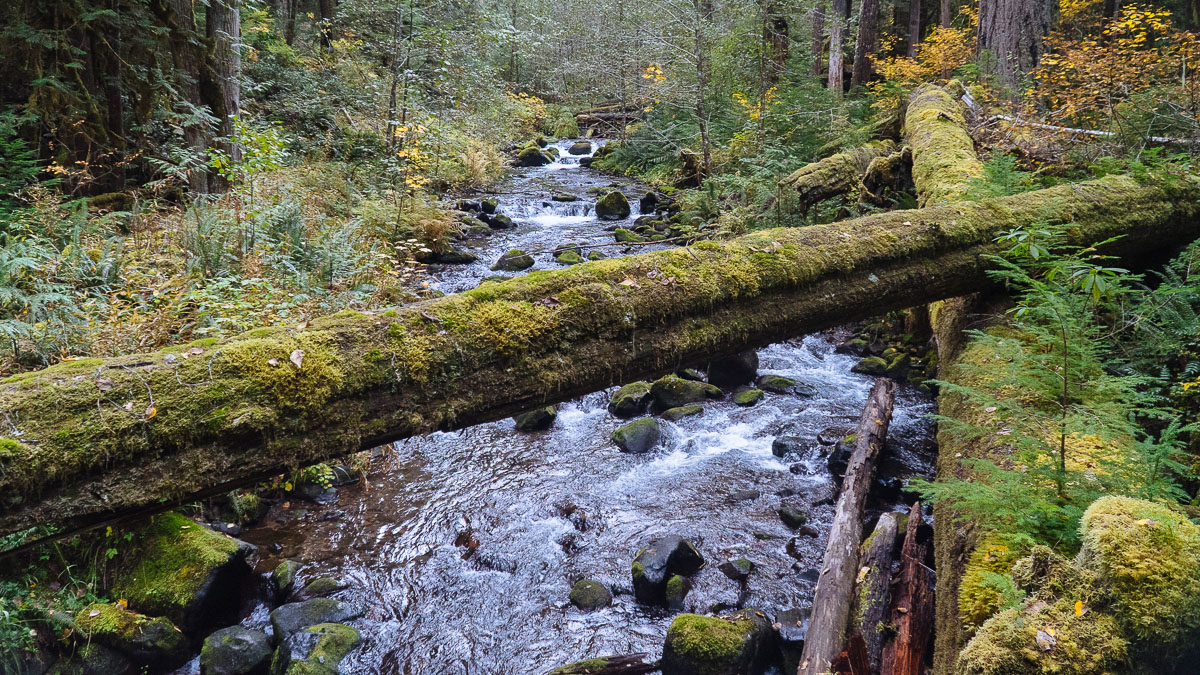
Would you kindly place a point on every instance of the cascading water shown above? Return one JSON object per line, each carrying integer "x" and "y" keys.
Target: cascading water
{"x": 548, "y": 508}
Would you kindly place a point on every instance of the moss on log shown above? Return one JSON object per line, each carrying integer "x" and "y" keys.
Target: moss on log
{"x": 944, "y": 159}
{"x": 837, "y": 174}
{"x": 92, "y": 439}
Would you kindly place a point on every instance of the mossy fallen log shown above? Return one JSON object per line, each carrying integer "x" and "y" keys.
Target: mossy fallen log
{"x": 93, "y": 439}
{"x": 944, "y": 158}
{"x": 835, "y": 175}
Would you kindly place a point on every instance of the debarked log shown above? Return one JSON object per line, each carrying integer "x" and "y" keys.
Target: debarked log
{"x": 88, "y": 440}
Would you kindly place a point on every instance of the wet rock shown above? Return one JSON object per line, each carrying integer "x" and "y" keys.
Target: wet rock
{"x": 468, "y": 205}
{"x": 531, "y": 156}
{"x": 811, "y": 575}
{"x": 580, "y": 148}
{"x": 648, "y": 203}
{"x": 871, "y": 365}
{"x": 737, "y": 569}
{"x": 733, "y": 371}
{"x": 655, "y": 564}
{"x": 489, "y": 205}
{"x": 899, "y": 367}
{"x": 317, "y": 493}
{"x": 456, "y": 257}
{"x": 624, "y": 236}
{"x": 514, "y": 260}
{"x": 231, "y": 529}
{"x": 500, "y": 222}
{"x": 743, "y": 496}
{"x": 564, "y": 197}
{"x": 791, "y": 445}
{"x": 183, "y": 571}
{"x": 538, "y": 419}
{"x": 588, "y": 594}
{"x": 630, "y": 400}
{"x": 283, "y": 578}
{"x": 568, "y": 258}
{"x": 319, "y": 588}
{"x": 887, "y": 489}
{"x": 748, "y": 397}
{"x": 316, "y": 650}
{"x": 852, "y": 347}
{"x": 839, "y": 460}
{"x": 673, "y": 391}
{"x": 734, "y": 645}
{"x": 149, "y": 642}
{"x": 235, "y": 651}
{"x": 296, "y": 616}
{"x": 676, "y": 414}
{"x": 677, "y": 590}
{"x": 596, "y": 255}
{"x": 776, "y": 384}
{"x": 691, "y": 374}
{"x": 792, "y": 516}
{"x": 586, "y": 161}
{"x": 638, "y": 436}
{"x": 831, "y": 435}
{"x": 612, "y": 205}
{"x": 791, "y": 628}
{"x": 96, "y": 659}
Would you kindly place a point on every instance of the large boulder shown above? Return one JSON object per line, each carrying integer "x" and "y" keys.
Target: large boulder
{"x": 296, "y": 616}
{"x": 739, "y": 644}
{"x": 612, "y": 205}
{"x": 235, "y": 651}
{"x": 733, "y": 371}
{"x": 588, "y": 594}
{"x": 638, "y": 436}
{"x": 580, "y": 148}
{"x": 513, "y": 260}
{"x": 538, "y": 419}
{"x": 148, "y": 642}
{"x": 631, "y": 400}
{"x": 531, "y": 155}
{"x": 655, "y": 564}
{"x": 748, "y": 397}
{"x": 673, "y": 391}
{"x": 184, "y": 571}
{"x": 316, "y": 650}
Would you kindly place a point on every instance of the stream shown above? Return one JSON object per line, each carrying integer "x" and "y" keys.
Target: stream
{"x": 548, "y": 508}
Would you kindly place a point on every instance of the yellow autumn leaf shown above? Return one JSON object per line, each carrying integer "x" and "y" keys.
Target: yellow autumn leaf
{"x": 123, "y": 603}
{"x": 287, "y": 487}
{"x": 1078, "y": 608}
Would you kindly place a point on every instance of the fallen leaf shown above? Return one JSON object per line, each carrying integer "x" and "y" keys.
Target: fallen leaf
{"x": 104, "y": 384}
{"x": 1046, "y": 641}
{"x": 272, "y": 362}
{"x": 1149, "y": 522}
{"x": 123, "y": 603}
{"x": 630, "y": 282}
{"x": 94, "y": 613}
{"x": 194, "y": 351}
{"x": 297, "y": 357}
{"x": 1079, "y": 608}
{"x": 128, "y": 406}
{"x": 151, "y": 412}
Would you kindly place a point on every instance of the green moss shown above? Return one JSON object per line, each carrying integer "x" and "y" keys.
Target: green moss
{"x": 1049, "y": 640}
{"x": 708, "y": 643}
{"x": 978, "y": 597}
{"x": 102, "y": 618}
{"x": 748, "y": 397}
{"x": 638, "y": 569}
{"x": 334, "y": 644}
{"x": 585, "y": 667}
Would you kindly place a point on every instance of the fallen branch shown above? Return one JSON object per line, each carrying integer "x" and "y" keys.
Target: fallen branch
{"x": 1166, "y": 140}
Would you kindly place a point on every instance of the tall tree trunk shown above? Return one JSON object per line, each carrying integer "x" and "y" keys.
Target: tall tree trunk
{"x": 818, "y": 38}
{"x": 114, "y": 99}
{"x": 191, "y": 69}
{"x": 704, "y": 11}
{"x": 224, "y": 30}
{"x": 775, "y": 41}
{"x": 1012, "y": 31}
{"x": 868, "y": 37}
{"x": 326, "y": 9}
{"x": 837, "y": 38}
{"x": 912, "y": 606}
{"x": 1111, "y": 7}
{"x": 285, "y": 10}
{"x": 914, "y": 27}
{"x": 946, "y": 13}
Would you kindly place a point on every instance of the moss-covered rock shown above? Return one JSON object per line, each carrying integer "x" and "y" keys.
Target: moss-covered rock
{"x": 588, "y": 594}
{"x": 580, "y": 148}
{"x": 638, "y": 436}
{"x": 655, "y": 564}
{"x": 871, "y": 365}
{"x": 235, "y": 651}
{"x": 319, "y": 588}
{"x": 748, "y": 397}
{"x": 568, "y": 258}
{"x": 624, "y": 236}
{"x": 677, "y": 590}
{"x": 296, "y": 616}
{"x": 676, "y": 414}
{"x": 794, "y": 517}
{"x": 709, "y": 645}
{"x": 513, "y": 260}
{"x": 673, "y": 391}
{"x": 489, "y": 205}
{"x": 733, "y": 371}
{"x": 584, "y": 667}
{"x": 152, "y": 642}
{"x": 184, "y": 571}
{"x": 630, "y": 400}
{"x": 538, "y": 419}
{"x": 283, "y": 577}
{"x": 596, "y": 255}
{"x": 1044, "y": 639}
{"x": 776, "y": 384}
{"x": 316, "y": 650}
{"x": 531, "y": 156}
{"x": 612, "y": 205}
{"x": 737, "y": 569}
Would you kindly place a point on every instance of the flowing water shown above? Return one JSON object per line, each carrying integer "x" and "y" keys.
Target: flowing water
{"x": 549, "y": 508}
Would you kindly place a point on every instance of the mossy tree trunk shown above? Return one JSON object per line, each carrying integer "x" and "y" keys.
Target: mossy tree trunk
{"x": 835, "y": 175}
{"x": 92, "y": 439}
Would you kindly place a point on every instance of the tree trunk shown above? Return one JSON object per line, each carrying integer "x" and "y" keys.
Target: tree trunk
{"x": 837, "y": 38}
{"x": 946, "y": 14}
{"x": 835, "y": 588}
{"x": 914, "y": 27}
{"x": 775, "y": 41}
{"x": 704, "y": 10}
{"x": 867, "y": 43}
{"x": 835, "y": 175}
{"x": 325, "y": 28}
{"x": 286, "y": 11}
{"x": 873, "y": 590}
{"x": 944, "y": 158}
{"x": 191, "y": 69}
{"x": 1012, "y": 31}
{"x": 224, "y": 30}
{"x": 818, "y": 38}
{"x": 92, "y": 438}
{"x": 912, "y": 610}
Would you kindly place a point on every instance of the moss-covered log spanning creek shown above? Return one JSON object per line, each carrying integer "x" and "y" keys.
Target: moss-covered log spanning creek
{"x": 92, "y": 439}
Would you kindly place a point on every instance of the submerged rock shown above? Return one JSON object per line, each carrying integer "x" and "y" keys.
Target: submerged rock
{"x": 316, "y": 650}
{"x": 149, "y": 642}
{"x": 610, "y": 664}
{"x": 630, "y": 400}
{"x": 235, "y": 651}
{"x": 539, "y": 419}
{"x": 612, "y": 205}
{"x": 319, "y": 588}
{"x": 831, "y": 435}
{"x": 790, "y": 445}
{"x": 638, "y": 436}
{"x": 792, "y": 516}
{"x": 676, "y": 414}
{"x": 733, "y": 371}
{"x": 588, "y": 594}
{"x": 514, "y": 260}
{"x": 295, "y": 616}
{"x": 673, "y": 391}
{"x": 662, "y": 559}
{"x": 735, "y": 645}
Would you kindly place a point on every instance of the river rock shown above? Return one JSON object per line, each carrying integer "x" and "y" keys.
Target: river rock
{"x": 316, "y": 650}
{"x": 319, "y": 588}
{"x": 673, "y": 391}
{"x": 792, "y": 516}
{"x": 588, "y": 594}
{"x": 295, "y": 616}
{"x": 831, "y": 435}
{"x": 648, "y": 203}
{"x": 638, "y": 436}
{"x": 499, "y": 222}
{"x": 839, "y": 460}
{"x": 283, "y": 578}
{"x": 630, "y": 400}
{"x": 733, "y": 371}
{"x": 568, "y": 258}
{"x": 149, "y": 642}
{"x": 564, "y": 197}
{"x": 677, "y": 590}
{"x": 624, "y": 236}
{"x": 775, "y": 384}
{"x": 739, "y": 644}
{"x": 489, "y": 205}
{"x": 676, "y": 414}
{"x": 456, "y": 257}
{"x": 612, "y": 205}
{"x": 514, "y": 260}
{"x": 690, "y": 374}
{"x": 183, "y": 571}
{"x": 531, "y": 156}
{"x": 748, "y": 397}
{"x": 580, "y": 148}
{"x": 872, "y": 365}
{"x": 235, "y": 651}
{"x": 596, "y": 255}
{"x": 790, "y": 445}
{"x": 655, "y": 564}
{"x": 92, "y": 659}
{"x": 538, "y": 419}
{"x": 737, "y": 569}
{"x": 791, "y": 628}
